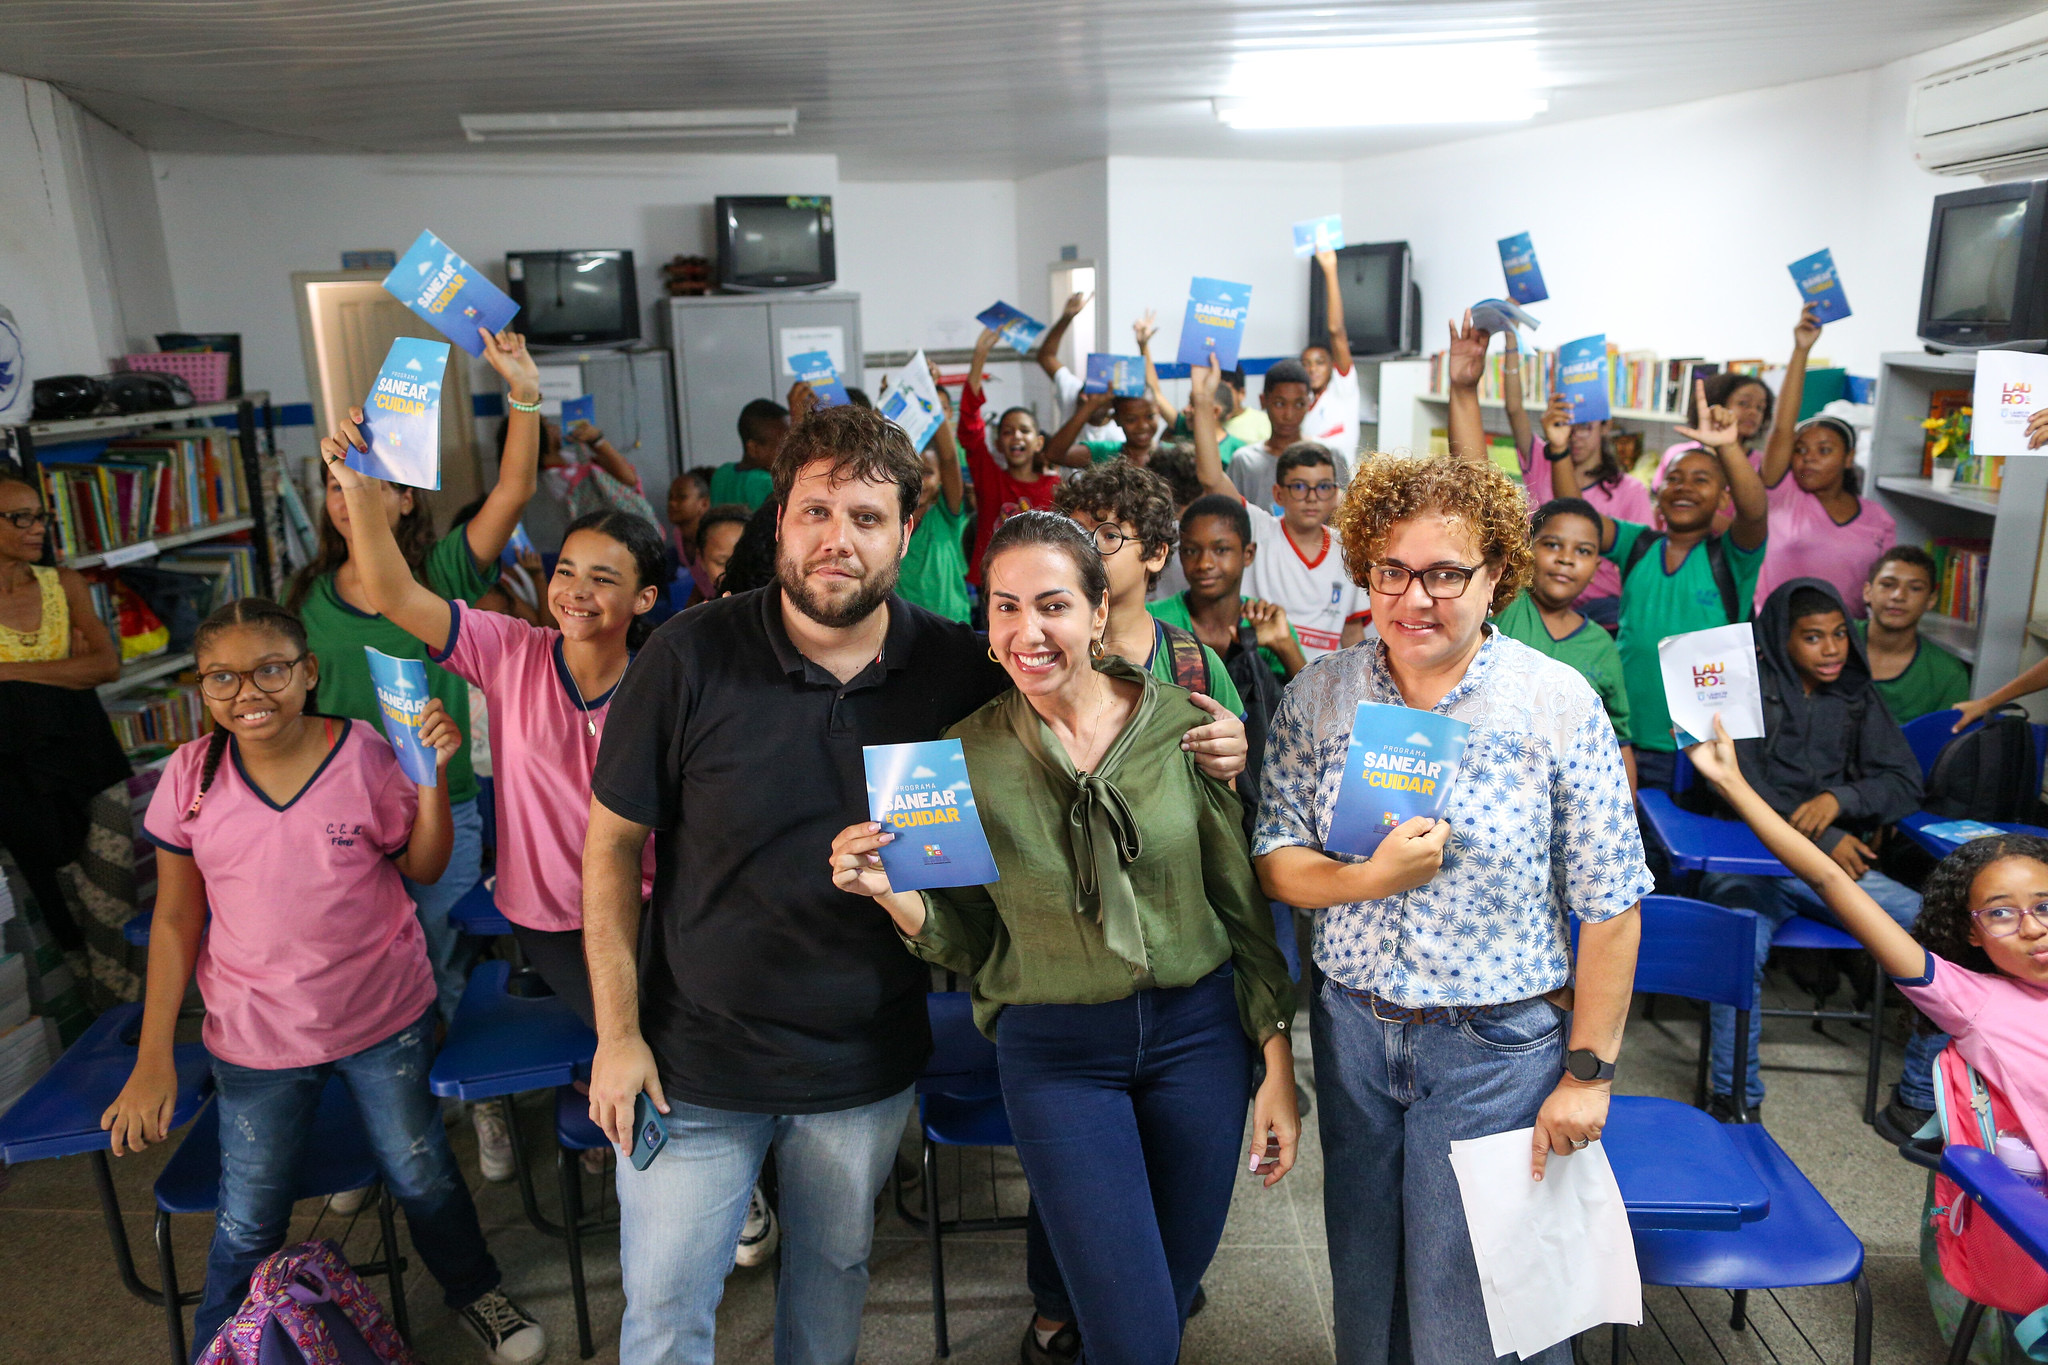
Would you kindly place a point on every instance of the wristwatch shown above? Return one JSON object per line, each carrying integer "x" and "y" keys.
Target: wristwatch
{"x": 1584, "y": 1064}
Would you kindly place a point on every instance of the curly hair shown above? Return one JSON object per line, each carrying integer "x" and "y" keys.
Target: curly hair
{"x": 1122, "y": 491}
{"x": 1389, "y": 489}
{"x": 1944, "y": 924}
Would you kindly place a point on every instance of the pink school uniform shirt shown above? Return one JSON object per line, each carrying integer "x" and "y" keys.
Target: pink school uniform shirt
{"x": 1808, "y": 543}
{"x": 313, "y": 952}
{"x": 2000, "y": 1025}
{"x": 1624, "y": 500}
{"x": 542, "y": 755}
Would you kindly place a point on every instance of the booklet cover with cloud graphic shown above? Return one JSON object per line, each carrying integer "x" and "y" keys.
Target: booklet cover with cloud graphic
{"x": 920, "y": 793}
{"x": 1820, "y": 286}
{"x": 1399, "y": 764}
{"x": 1215, "y": 319}
{"x": 1319, "y": 234}
{"x": 1013, "y": 327}
{"x": 450, "y": 293}
{"x": 1582, "y": 377}
{"x": 1518, "y": 263}
{"x": 574, "y": 410}
{"x": 402, "y": 416}
{"x": 1122, "y": 375}
{"x": 815, "y": 369}
{"x": 401, "y": 687}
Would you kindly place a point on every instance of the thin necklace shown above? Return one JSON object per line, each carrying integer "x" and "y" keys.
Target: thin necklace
{"x": 589, "y": 725}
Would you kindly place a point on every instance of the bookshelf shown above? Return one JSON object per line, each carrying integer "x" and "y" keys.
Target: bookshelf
{"x": 30, "y": 443}
{"x": 2010, "y": 518}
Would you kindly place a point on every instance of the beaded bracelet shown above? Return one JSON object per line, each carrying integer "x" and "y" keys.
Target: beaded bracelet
{"x": 518, "y": 406}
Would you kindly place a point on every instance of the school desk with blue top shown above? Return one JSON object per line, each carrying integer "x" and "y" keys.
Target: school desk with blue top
{"x": 1702, "y": 844}
{"x": 1928, "y": 832}
{"x": 1713, "y": 1189}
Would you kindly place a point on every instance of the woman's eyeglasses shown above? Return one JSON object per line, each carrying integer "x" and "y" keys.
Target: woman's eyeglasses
{"x": 1440, "y": 581}
{"x": 2003, "y": 921}
{"x": 225, "y": 684}
{"x": 27, "y": 520}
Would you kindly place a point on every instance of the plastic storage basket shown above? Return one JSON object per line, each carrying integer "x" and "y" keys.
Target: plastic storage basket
{"x": 204, "y": 372}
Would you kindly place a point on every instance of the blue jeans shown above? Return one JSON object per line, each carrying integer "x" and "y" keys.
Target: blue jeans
{"x": 263, "y": 1119}
{"x": 1127, "y": 1117}
{"x": 1775, "y": 900}
{"x": 680, "y": 1219}
{"x": 450, "y": 957}
{"x": 1390, "y": 1099}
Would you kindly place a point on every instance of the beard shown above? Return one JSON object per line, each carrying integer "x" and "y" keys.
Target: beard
{"x": 834, "y": 613}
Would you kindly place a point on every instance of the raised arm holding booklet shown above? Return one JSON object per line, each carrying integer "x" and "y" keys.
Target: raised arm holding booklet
{"x": 1319, "y": 234}
{"x": 1582, "y": 377}
{"x": 1214, "y": 323}
{"x": 401, "y": 687}
{"x": 1820, "y": 286}
{"x": 1018, "y": 330}
{"x": 449, "y": 293}
{"x": 1518, "y": 263}
{"x": 402, "y": 416}
{"x": 815, "y": 369}
{"x": 1399, "y": 764}
{"x": 920, "y": 793}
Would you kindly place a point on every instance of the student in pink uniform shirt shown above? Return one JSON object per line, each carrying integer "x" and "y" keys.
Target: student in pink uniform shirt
{"x": 1602, "y": 481}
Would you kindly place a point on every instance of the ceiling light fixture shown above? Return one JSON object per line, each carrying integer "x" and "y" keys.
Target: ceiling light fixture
{"x": 1384, "y": 85}
{"x": 639, "y": 126}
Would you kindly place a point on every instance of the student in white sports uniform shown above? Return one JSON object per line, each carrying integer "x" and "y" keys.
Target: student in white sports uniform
{"x": 1333, "y": 418}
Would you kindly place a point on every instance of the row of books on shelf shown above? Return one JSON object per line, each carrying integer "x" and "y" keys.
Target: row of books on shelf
{"x": 1641, "y": 381}
{"x": 1959, "y": 570}
{"x": 152, "y": 719}
{"x": 142, "y": 487}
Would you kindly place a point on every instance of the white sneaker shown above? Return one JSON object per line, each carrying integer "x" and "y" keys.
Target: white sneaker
{"x": 493, "y": 1140}
{"x": 348, "y": 1202}
{"x": 508, "y": 1332}
{"x": 759, "y": 1234}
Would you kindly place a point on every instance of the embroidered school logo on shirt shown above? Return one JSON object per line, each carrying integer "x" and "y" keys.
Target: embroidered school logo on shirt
{"x": 342, "y": 834}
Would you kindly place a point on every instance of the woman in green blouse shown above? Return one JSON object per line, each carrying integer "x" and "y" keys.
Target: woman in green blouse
{"x": 1125, "y": 962}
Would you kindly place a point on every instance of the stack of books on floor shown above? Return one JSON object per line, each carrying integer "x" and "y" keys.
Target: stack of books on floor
{"x": 28, "y": 1042}
{"x": 143, "y": 487}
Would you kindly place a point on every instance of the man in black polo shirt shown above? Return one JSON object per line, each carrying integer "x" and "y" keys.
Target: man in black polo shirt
{"x": 768, "y": 1010}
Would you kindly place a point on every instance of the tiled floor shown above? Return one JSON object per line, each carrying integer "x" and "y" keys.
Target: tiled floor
{"x": 1269, "y": 1288}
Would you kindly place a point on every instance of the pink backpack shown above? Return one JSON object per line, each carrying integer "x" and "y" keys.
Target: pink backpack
{"x": 306, "y": 1306}
{"x": 1978, "y": 1259}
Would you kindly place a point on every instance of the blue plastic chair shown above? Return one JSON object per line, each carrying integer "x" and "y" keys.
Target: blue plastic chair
{"x": 959, "y": 1104}
{"x": 334, "y": 1155}
{"x": 1928, "y": 735}
{"x": 477, "y": 912}
{"x": 574, "y": 1135}
{"x": 1708, "y": 953}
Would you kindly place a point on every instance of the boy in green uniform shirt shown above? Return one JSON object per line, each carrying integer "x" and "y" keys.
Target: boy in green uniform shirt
{"x": 1914, "y": 676}
{"x": 934, "y": 569}
{"x": 764, "y": 425}
{"x": 1215, "y": 550}
{"x": 1565, "y": 536}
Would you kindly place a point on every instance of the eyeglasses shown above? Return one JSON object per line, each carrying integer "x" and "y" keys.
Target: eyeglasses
{"x": 225, "y": 684}
{"x": 1301, "y": 489}
{"x": 2003, "y": 921}
{"x": 1440, "y": 581}
{"x": 25, "y": 520}
{"x": 1109, "y": 539}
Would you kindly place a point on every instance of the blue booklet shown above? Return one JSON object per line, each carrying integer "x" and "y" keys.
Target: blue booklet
{"x": 576, "y": 410}
{"x": 1499, "y": 315}
{"x": 1400, "y": 764}
{"x": 520, "y": 543}
{"x": 1215, "y": 322}
{"x": 1122, "y": 375}
{"x": 450, "y": 293}
{"x": 1018, "y": 330}
{"x": 402, "y": 416}
{"x": 1518, "y": 263}
{"x": 1820, "y": 286}
{"x": 1961, "y": 831}
{"x": 815, "y": 369}
{"x": 1582, "y": 377}
{"x": 1319, "y": 234}
{"x": 920, "y": 793}
{"x": 401, "y": 687}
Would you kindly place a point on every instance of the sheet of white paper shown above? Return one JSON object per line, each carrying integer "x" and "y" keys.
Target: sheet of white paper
{"x": 912, "y": 401}
{"x": 802, "y": 340}
{"x": 556, "y": 383}
{"x": 1556, "y": 1256}
{"x": 1709, "y": 673}
{"x": 2011, "y": 387}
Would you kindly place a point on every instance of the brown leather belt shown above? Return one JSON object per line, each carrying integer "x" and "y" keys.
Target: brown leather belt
{"x": 1387, "y": 1012}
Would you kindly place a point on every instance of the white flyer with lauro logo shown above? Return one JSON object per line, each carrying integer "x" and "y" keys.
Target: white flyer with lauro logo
{"x": 1710, "y": 673}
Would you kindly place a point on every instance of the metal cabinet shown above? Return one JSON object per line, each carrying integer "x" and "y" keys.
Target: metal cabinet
{"x": 636, "y": 412}
{"x": 729, "y": 349}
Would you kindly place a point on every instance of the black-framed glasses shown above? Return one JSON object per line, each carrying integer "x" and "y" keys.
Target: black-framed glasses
{"x": 1301, "y": 488}
{"x": 225, "y": 684}
{"x": 1109, "y": 539}
{"x": 26, "y": 519}
{"x": 2003, "y": 921}
{"x": 1440, "y": 581}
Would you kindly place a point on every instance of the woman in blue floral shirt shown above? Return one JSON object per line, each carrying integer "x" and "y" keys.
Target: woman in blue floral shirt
{"x": 1445, "y": 962}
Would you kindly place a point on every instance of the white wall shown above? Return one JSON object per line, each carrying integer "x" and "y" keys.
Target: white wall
{"x": 238, "y": 226}
{"x": 1671, "y": 229}
{"x": 926, "y": 256}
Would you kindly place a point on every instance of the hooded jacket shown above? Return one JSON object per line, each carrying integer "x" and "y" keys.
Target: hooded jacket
{"x": 1840, "y": 739}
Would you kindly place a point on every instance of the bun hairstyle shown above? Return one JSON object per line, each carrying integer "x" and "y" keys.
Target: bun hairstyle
{"x": 650, "y": 555}
{"x": 263, "y": 614}
{"x": 1057, "y": 532}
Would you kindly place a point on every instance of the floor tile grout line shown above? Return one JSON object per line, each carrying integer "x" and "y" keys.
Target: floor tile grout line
{"x": 1308, "y": 1267}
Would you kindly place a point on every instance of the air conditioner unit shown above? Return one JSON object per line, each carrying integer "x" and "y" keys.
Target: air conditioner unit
{"x": 1988, "y": 117}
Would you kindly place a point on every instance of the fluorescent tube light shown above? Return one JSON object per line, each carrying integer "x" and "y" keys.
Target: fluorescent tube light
{"x": 639, "y": 125}
{"x": 1382, "y": 85}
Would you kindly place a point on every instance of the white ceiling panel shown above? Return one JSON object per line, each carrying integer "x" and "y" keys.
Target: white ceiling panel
{"x": 897, "y": 88}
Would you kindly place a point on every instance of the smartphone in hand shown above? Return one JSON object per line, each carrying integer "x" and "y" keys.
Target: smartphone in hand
{"x": 650, "y": 1132}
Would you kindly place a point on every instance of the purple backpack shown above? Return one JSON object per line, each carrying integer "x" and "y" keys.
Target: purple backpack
{"x": 307, "y": 1307}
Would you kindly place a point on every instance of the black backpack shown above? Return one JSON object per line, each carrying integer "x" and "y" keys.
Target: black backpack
{"x": 1988, "y": 774}
{"x": 1717, "y": 564}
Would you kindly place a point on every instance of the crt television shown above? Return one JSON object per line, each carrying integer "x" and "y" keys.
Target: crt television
{"x": 1382, "y": 302}
{"x": 1986, "y": 281}
{"x": 574, "y": 298}
{"x": 770, "y": 242}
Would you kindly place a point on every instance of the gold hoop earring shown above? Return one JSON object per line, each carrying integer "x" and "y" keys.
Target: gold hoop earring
{"x": 1097, "y": 650}
{"x": 992, "y": 655}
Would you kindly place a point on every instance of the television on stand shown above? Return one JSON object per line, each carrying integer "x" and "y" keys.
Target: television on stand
{"x": 1986, "y": 279}
{"x": 574, "y": 298}
{"x": 773, "y": 243}
{"x": 1382, "y": 302}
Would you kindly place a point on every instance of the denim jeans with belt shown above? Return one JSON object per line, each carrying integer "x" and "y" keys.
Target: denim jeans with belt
{"x": 1128, "y": 1117}
{"x": 1390, "y": 1100}
{"x": 448, "y": 953}
{"x": 1776, "y": 900}
{"x": 680, "y": 1220}
{"x": 263, "y": 1118}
